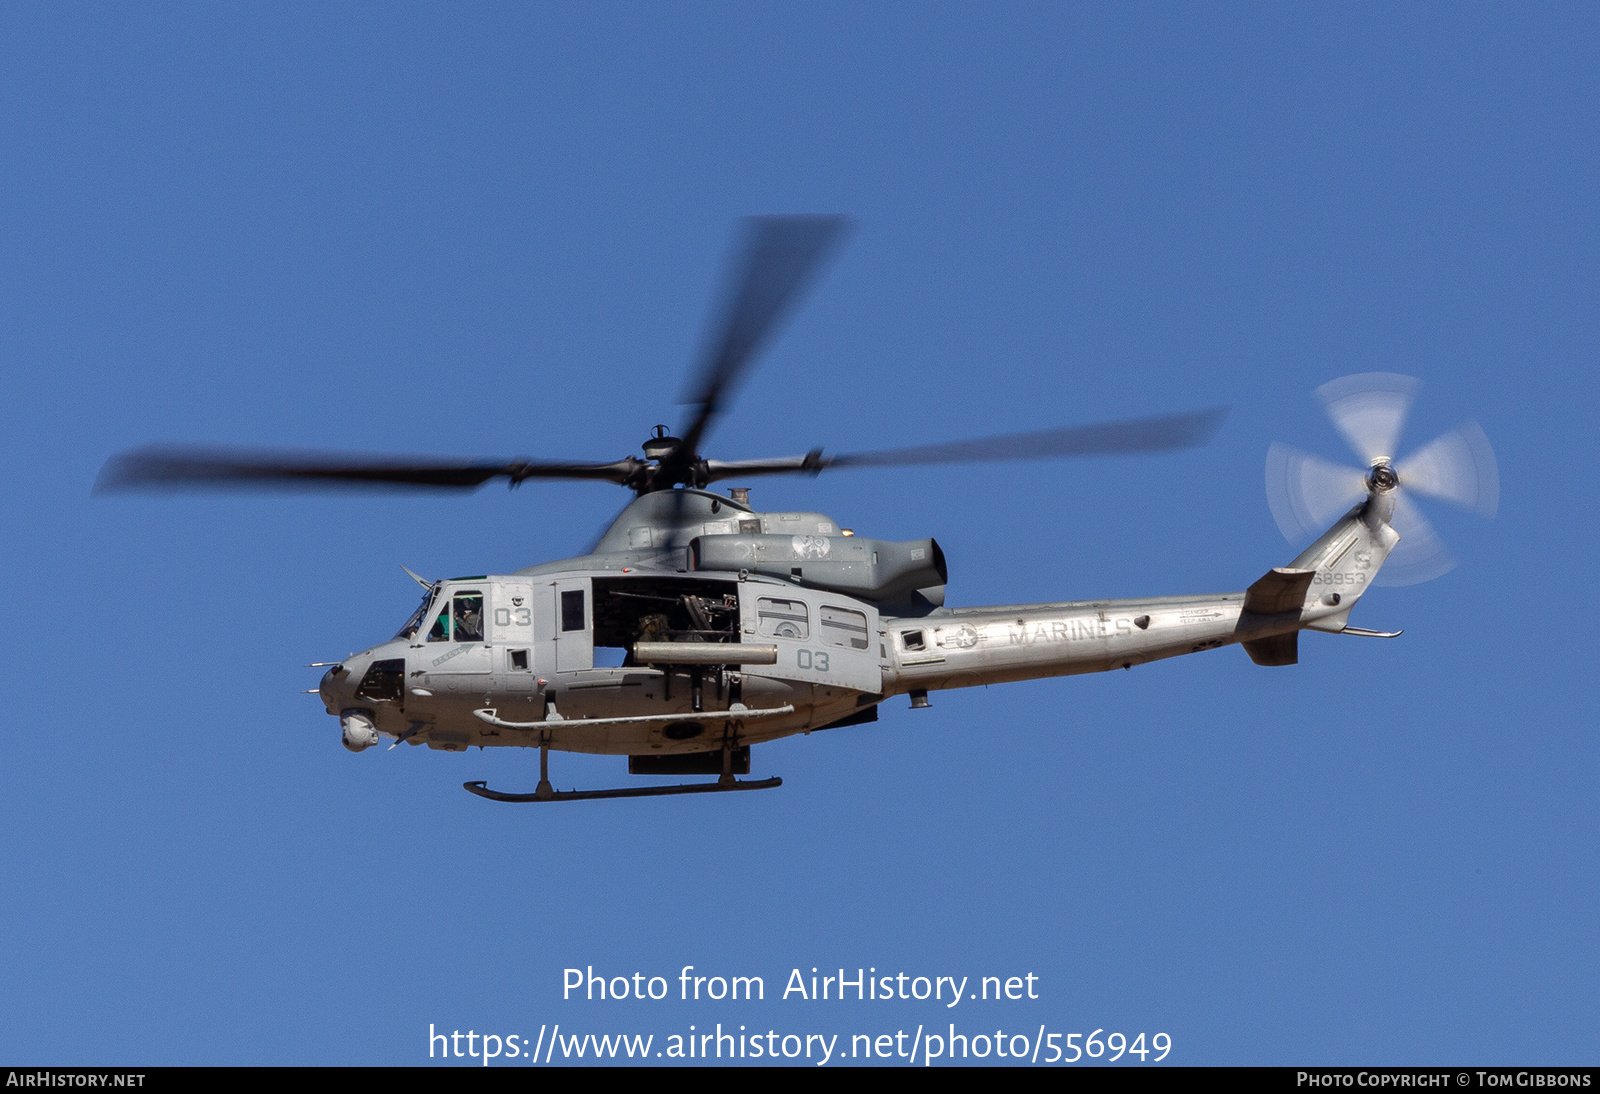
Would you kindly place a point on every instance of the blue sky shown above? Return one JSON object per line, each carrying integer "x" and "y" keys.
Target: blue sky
{"x": 497, "y": 230}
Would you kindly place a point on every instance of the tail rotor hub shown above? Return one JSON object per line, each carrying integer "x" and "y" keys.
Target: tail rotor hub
{"x": 1382, "y": 478}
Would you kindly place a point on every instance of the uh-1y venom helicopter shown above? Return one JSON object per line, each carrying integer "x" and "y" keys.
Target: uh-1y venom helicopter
{"x": 739, "y": 627}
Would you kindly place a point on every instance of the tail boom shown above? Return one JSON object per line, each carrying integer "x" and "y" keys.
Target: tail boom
{"x": 965, "y": 647}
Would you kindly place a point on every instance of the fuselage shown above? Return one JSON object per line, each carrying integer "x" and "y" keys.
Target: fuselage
{"x": 632, "y": 651}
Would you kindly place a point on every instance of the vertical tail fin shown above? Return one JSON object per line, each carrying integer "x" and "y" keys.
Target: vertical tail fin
{"x": 1345, "y": 560}
{"x": 1324, "y": 582}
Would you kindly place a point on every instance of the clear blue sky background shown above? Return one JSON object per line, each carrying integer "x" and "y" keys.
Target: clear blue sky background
{"x": 497, "y": 230}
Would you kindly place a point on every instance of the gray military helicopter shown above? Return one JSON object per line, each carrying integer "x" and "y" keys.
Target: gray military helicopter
{"x": 734, "y": 627}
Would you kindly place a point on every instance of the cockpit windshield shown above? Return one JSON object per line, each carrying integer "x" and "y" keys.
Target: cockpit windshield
{"x": 410, "y": 629}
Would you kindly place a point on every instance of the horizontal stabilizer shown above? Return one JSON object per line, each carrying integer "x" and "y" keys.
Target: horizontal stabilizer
{"x": 1280, "y": 589}
{"x": 1280, "y": 649}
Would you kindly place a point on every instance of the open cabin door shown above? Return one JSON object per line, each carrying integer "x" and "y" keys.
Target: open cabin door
{"x": 822, "y": 638}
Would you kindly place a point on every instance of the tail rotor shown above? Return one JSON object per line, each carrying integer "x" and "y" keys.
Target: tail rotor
{"x": 1306, "y": 491}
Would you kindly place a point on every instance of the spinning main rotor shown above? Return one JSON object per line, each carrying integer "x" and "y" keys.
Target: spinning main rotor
{"x": 780, "y": 257}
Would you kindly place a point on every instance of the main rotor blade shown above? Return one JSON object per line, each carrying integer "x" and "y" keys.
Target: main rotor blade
{"x": 717, "y": 470}
{"x": 1370, "y": 409}
{"x": 781, "y": 256}
{"x": 160, "y": 466}
{"x": 1161, "y": 434}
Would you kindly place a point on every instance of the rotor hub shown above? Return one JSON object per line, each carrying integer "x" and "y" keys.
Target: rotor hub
{"x": 660, "y": 444}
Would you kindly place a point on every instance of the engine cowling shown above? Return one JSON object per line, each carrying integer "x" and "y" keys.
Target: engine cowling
{"x": 872, "y": 569}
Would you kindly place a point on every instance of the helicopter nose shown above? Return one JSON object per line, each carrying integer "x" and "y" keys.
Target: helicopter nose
{"x": 335, "y": 688}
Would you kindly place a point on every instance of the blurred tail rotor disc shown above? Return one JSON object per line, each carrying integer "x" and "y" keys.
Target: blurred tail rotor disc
{"x": 1307, "y": 492}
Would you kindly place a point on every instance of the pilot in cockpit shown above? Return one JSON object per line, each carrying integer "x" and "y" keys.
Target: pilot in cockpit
{"x": 469, "y": 619}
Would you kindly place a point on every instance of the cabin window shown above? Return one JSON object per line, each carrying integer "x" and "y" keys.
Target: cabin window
{"x": 519, "y": 660}
{"x": 572, "y": 610}
{"x": 912, "y": 640}
{"x": 843, "y": 627}
{"x": 777, "y": 618}
{"x": 468, "y": 616}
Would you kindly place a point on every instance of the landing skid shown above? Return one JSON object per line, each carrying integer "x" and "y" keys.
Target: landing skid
{"x": 547, "y": 793}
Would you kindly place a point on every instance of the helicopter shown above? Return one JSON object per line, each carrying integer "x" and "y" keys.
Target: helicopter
{"x": 731, "y": 627}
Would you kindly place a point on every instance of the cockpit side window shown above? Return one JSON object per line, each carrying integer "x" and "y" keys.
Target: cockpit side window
{"x": 468, "y": 616}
